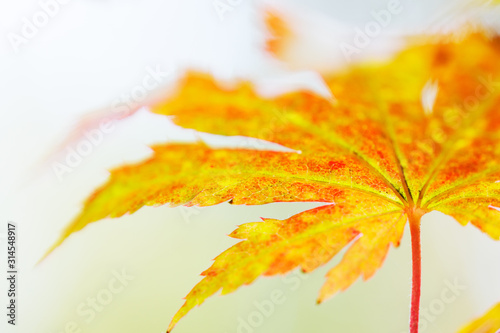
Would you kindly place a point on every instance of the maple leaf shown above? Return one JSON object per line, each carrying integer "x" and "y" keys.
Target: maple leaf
{"x": 279, "y": 30}
{"x": 376, "y": 155}
{"x": 489, "y": 323}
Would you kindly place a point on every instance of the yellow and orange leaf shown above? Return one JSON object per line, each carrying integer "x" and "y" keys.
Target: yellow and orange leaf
{"x": 308, "y": 240}
{"x": 194, "y": 174}
{"x": 489, "y": 323}
{"x": 415, "y": 134}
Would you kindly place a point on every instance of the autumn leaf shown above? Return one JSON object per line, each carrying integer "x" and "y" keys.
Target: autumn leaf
{"x": 279, "y": 31}
{"x": 395, "y": 141}
{"x": 489, "y": 323}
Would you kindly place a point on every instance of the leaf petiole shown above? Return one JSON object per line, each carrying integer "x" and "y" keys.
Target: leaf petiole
{"x": 414, "y": 217}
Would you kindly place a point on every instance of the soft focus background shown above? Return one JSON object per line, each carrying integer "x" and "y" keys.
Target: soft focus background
{"x": 90, "y": 53}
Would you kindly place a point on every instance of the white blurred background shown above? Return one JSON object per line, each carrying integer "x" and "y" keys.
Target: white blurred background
{"x": 93, "y": 51}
